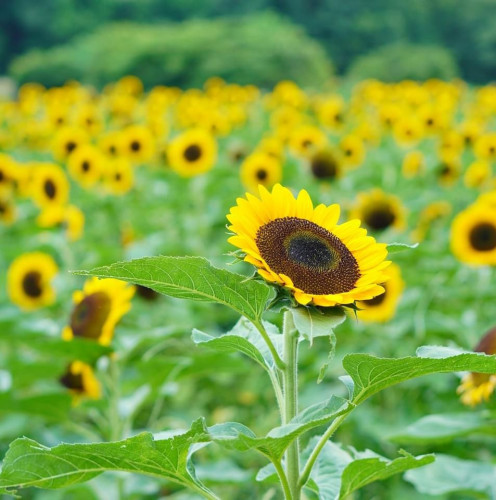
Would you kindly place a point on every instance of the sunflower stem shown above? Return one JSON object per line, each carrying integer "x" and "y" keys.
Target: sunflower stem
{"x": 277, "y": 359}
{"x": 290, "y": 378}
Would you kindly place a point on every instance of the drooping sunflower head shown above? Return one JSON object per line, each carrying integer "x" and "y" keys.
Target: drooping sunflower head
{"x": 193, "y": 152}
{"x": 97, "y": 310}
{"x": 49, "y": 185}
{"x": 473, "y": 235}
{"x": 80, "y": 379}
{"x": 86, "y": 165}
{"x": 478, "y": 387}
{"x": 383, "y": 307}
{"x": 305, "y": 250}
{"x": 260, "y": 168}
{"x": 379, "y": 211}
{"x": 325, "y": 166}
{"x": 29, "y": 280}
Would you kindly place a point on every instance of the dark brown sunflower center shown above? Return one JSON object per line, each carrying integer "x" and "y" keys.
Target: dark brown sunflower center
{"x": 85, "y": 166}
{"x": 3, "y": 207}
{"x": 135, "y": 146}
{"x": 316, "y": 261}
{"x": 146, "y": 293}
{"x": 2, "y": 175}
{"x": 72, "y": 381}
{"x": 31, "y": 284}
{"x": 192, "y": 152}
{"x": 118, "y": 176}
{"x": 324, "y": 167}
{"x": 377, "y": 300}
{"x": 70, "y": 146}
{"x": 50, "y": 188}
{"x": 90, "y": 315}
{"x": 261, "y": 174}
{"x": 380, "y": 217}
{"x": 112, "y": 149}
{"x": 483, "y": 237}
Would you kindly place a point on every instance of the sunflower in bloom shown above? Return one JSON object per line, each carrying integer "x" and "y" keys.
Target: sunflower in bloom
{"x": 260, "y": 168}
{"x": 29, "y": 280}
{"x": 119, "y": 176}
{"x": 8, "y": 211}
{"x": 7, "y": 171}
{"x": 305, "y": 250}
{"x": 305, "y": 139}
{"x": 473, "y": 235}
{"x": 383, "y": 307}
{"x": 272, "y": 146}
{"x": 192, "y": 153}
{"x": 97, "y": 310}
{"x": 413, "y": 164}
{"x": 408, "y": 131}
{"x": 80, "y": 379}
{"x": 448, "y": 170}
{"x": 478, "y": 387}
{"x": 110, "y": 143}
{"x": 353, "y": 150}
{"x": 137, "y": 143}
{"x": 67, "y": 141}
{"x": 379, "y": 211}
{"x": 70, "y": 217}
{"x": 477, "y": 174}
{"x": 86, "y": 165}
{"x": 485, "y": 147}
{"x": 49, "y": 185}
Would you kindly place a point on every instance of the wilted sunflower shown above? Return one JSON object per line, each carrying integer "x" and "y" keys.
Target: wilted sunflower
{"x": 80, "y": 379}
{"x": 382, "y": 307}
{"x": 137, "y": 143}
{"x": 379, "y": 210}
{"x": 260, "y": 168}
{"x": 98, "y": 308}
{"x": 193, "y": 152}
{"x": 28, "y": 280}
{"x": 473, "y": 235}
{"x": 478, "y": 387}
{"x": 303, "y": 248}
{"x": 86, "y": 165}
{"x": 324, "y": 165}
{"x": 67, "y": 140}
{"x": 49, "y": 185}
{"x": 119, "y": 177}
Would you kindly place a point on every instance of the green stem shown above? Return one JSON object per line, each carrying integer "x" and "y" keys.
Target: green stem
{"x": 290, "y": 377}
{"x": 284, "y": 480}
{"x": 318, "y": 448}
{"x": 115, "y": 425}
{"x": 277, "y": 359}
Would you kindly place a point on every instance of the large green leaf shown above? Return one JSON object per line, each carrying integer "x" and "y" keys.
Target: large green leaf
{"x": 445, "y": 427}
{"x": 337, "y": 472}
{"x": 191, "y": 278}
{"x": 453, "y": 475}
{"x": 274, "y": 444}
{"x": 244, "y": 338}
{"x": 28, "y": 463}
{"x": 371, "y": 374}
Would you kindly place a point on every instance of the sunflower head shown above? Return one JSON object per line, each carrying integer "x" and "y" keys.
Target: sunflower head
{"x": 80, "y": 379}
{"x": 260, "y": 168}
{"x": 137, "y": 143}
{"x": 325, "y": 165}
{"x": 119, "y": 176}
{"x": 413, "y": 164}
{"x": 97, "y": 310}
{"x": 49, "y": 185}
{"x": 29, "y": 280}
{"x": 352, "y": 151}
{"x": 478, "y": 387}
{"x": 305, "y": 250}
{"x": 86, "y": 165}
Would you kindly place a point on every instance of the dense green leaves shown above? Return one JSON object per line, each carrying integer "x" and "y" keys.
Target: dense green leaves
{"x": 371, "y": 374}
{"x": 191, "y": 278}
{"x": 454, "y": 475}
{"x": 445, "y": 427}
{"x": 28, "y": 463}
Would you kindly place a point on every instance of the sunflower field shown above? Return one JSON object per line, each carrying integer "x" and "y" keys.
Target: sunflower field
{"x": 236, "y": 293}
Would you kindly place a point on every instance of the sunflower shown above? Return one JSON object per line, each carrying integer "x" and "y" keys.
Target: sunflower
{"x": 413, "y": 164}
{"x": 109, "y": 143}
{"x": 303, "y": 248}
{"x": 485, "y": 147}
{"x": 119, "y": 177}
{"x": 379, "y": 210}
{"x": 7, "y": 208}
{"x": 67, "y": 141}
{"x": 193, "y": 152}
{"x": 272, "y": 146}
{"x": 408, "y": 130}
{"x": 305, "y": 139}
{"x": 382, "y": 307}
{"x": 325, "y": 165}
{"x": 7, "y": 171}
{"x": 473, "y": 235}
{"x": 448, "y": 170}
{"x": 477, "y": 174}
{"x": 137, "y": 143}
{"x": 353, "y": 150}
{"x": 478, "y": 387}
{"x": 28, "y": 280}
{"x": 260, "y": 168}
{"x": 80, "y": 379}
{"x": 49, "y": 185}
{"x": 59, "y": 215}
{"x": 98, "y": 308}
{"x": 86, "y": 165}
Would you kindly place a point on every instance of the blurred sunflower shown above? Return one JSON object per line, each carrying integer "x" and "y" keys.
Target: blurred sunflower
{"x": 408, "y": 130}
{"x": 86, "y": 165}
{"x": 28, "y": 280}
{"x": 379, "y": 210}
{"x": 70, "y": 216}
{"x": 485, "y": 147}
{"x": 192, "y": 153}
{"x": 119, "y": 176}
{"x": 137, "y": 143}
{"x": 7, "y": 208}
{"x": 7, "y": 171}
{"x": 353, "y": 150}
{"x": 325, "y": 165}
{"x": 305, "y": 139}
{"x": 272, "y": 146}
{"x": 477, "y": 174}
{"x": 383, "y": 307}
{"x": 67, "y": 141}
{"x": 473, "y": 235}
{"x": 80, "y": 379}
{"x": 303, "y": 248}
{"x": 448, "y": 170}
{"x": 260, "y": 168}
{"x": 49, "y": 185}
{"x": 413, "y": 164}
{"x": 478, "y": 387}
{"x": 98, "y": 308}
{"x": 109, "y": 143}
{"x": 433, "y": 212}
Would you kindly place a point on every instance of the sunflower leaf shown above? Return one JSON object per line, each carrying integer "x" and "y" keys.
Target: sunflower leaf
{"x": 193, "y": 278}
{"x": 28, "y": 463}
{"x": 446, "y": 427}
{"x": 400, "y": 247}
{"x": 338, "y": 473}
{"x": 448, "y": 475}
{"x": 312, "y": 322}
{"x": 233, "y": 435}
{"x": 371, "y": 374}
